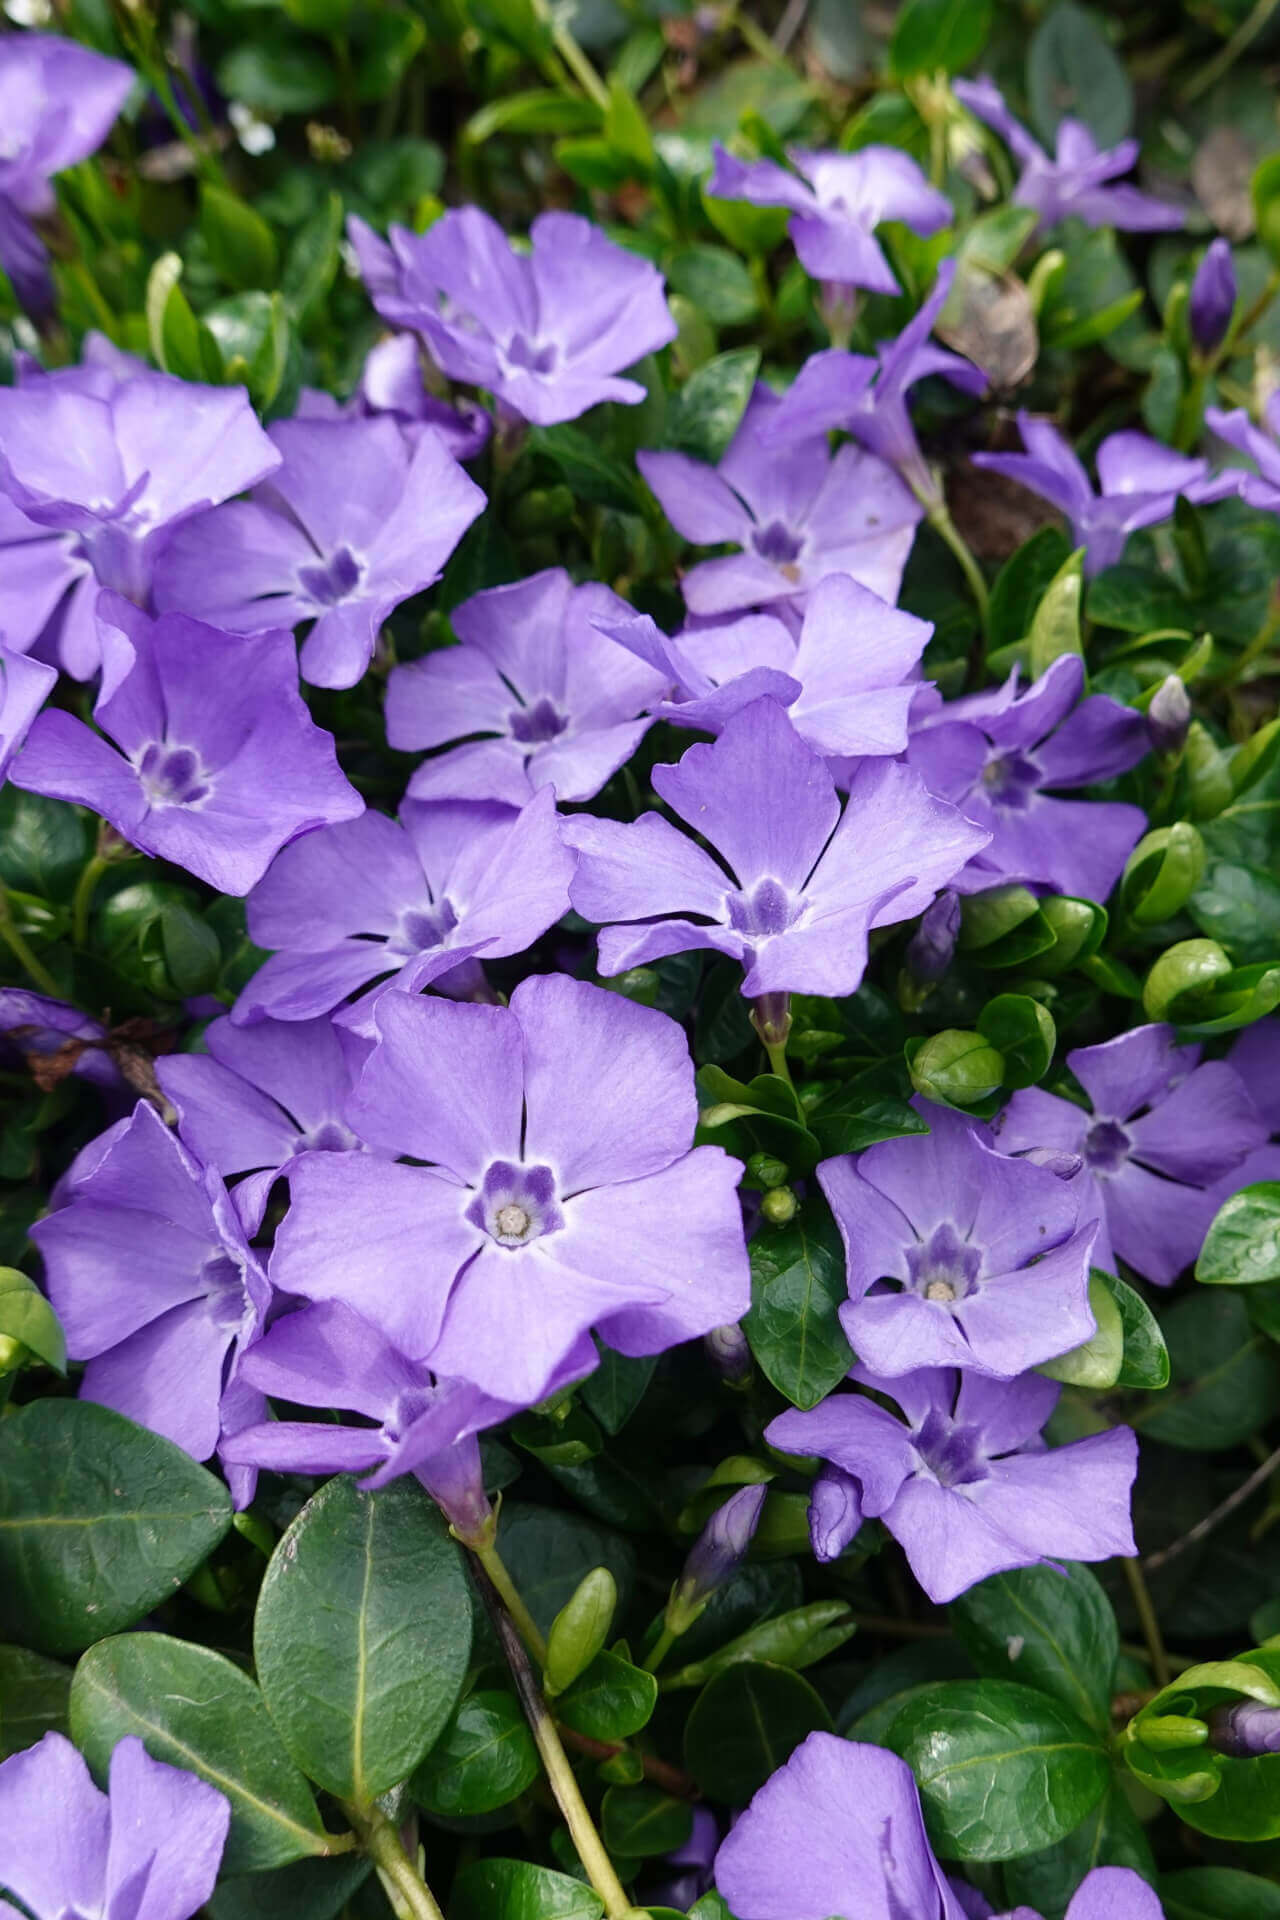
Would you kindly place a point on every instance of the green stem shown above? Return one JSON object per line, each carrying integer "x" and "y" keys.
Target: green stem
{"x": 23, "y": 954}
{"x": 139, "y": 38}
{"x": 563, "y": 1781}
{"x": 495, "y": 1567}
{"x": 777, "y": 1053}
{"x": 574, "y": 58}
{"x": 660, "y": 1649}
{"x": 82, "y": 900}
{"x": 409, "y": 1895}
{"x": 1148, "y": 1621}
{"x": 947, "y": 531}
{"x": 1225, "y": 58}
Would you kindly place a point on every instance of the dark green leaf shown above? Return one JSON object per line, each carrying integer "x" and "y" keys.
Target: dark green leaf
{"x": 705, "y": 414}
{"x": 1023, "y": 1033}
{"x": 1109, "y": 1836}
{"x": 1021, "y": 584}
{"x": 939, "y": 35}
{"x": 642, "y": 1821}
{"x": 43, "y": 844}
{"x": 514, "y": 1890}
{"x": 797, "y": 1285}
{"x": 610, "y": 1701}
{"x": 1218, "y": 1893}
{"x": 293, "y": 76}
{"x": 589, "y": 471}
{"x": 1146, "y": 1357}
{"x": 241, "y": 245}
{"x": 307, "y": 1890}
{"x": 717, "y": 282}
{"x": 34, "y": 1697}
{"x": 100, "y": 1520}
{"x": 484, "y": 1759}
{"x": 614, "y": 1391}
{"x": 547, "y": 1552}
{"x": 745, "y": 1724}
{"x": 1242, "y": 1246}
{"x": 1049, "y": 1629}
{"x": 1225, "y": 1376}
{"x": 1239, "y": 907}
{"x": 1073, "y": 72}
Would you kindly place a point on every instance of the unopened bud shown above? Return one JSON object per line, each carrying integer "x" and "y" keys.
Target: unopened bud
{"x": 771, "y": 1018}
{"x": 580, "y": 1629}
{"x": 729, "y": 1353}
{"x": 933, "y": 943}
{"x": 779, "y": 1206}
{"x": 716, "y": 1556}
{"x": 1169, "y": 715}
{"x": 455, "y": 1481}
{"x": 1171, "y": 1732}
{"x": 766, "y": 1170}
{"x": 1213, "y": 297}
{"x": 835, "y": 1512}
{"x": 1245, "y": 1730}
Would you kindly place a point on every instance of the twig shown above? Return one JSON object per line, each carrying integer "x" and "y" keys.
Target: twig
{"x": 1154, "y": 1561}
{"x": 1149, "y": 1622}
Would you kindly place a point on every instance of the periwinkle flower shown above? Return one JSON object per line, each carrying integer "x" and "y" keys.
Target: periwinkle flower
{"x": 836, "y": 201}
{"x": 58, "y": 102}
{"x": 259, "y": 1097}
{"x": 409, "y": 904}
{"x": 559, "y": 1192}
{"x": 716, "y": 1554}
{"x": 1256, "y": 1058}
{"x": 147, "y": 1849}
{"x": 689, "y": 1868}
{"x": 1246, "y": 1730}
{"x": 802, "y": 884}
{"x": 932, "y": 946}
{"x": 25, "y": 685}
{"x": 52, "y": 1038}
{"x": 1160, "y": 1131}
{"x": 391, "y": 383}
{"x": 1261, "y": 444}
{"x": 962, "y": 1478}
{"x": 847, "y": 681}
{"x": 837, "y": 1833}
{"x": 867, "y": 398}
{"x": 1213, "y": 297}
{"x": 958, "y": 1255}
{"x": 149, "y": 1270}
{"x": 547, "y": 332}
{"x": 796, "y": 513}
{"x": 327, "y": 1356}
{"x": 210, "y": 756}
{"x": 1073, "y": 183}
{"x": 1002, "y": 755}
{"x": 1139, "y": 484}
{"x": 554, "y": 703}
{"x": 119, "y": 463}
{"x": 352, "y": 522}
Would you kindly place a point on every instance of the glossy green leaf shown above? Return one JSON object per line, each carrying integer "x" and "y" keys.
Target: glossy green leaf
{"x": 717, "y": 282}
{"x": 547, "y": 1551}
{"x": 795, "y": 1639}
{"x": 638, "y": 1822}
{"x": 744, "y": 1725}
{"x": 1218, "y": 1893}
{"x": 610, "y": 1701}
{"x": 1055, "y": 624}
{"x": 26, "y": 1315}
{"x": 1049, "y": 1629}
{"x": 192, "y": 1708}
{"x": 797, "y": 1285}
{"x": 580, "y": 1629}
{"x": 1022, "y": 1031}
{"x": 1110, "y": 1835}
{"x": 1097, "y": 1362}
{"x": 484, "y": 1759}
{"x": 363, "y": 1634}
{"x": 1242, "y": 1246}
{"x": 931, "y": 36}
{"x": 35, "y": 1695}
{"x": 1146, "y": 1355}
{"x": 100, "y": 1520}
{"x": 514, "y": 1890}
{"x": 614, "y": 1391}
{"x": 1225, "y": 1376}
{"x": 705, "y": 414}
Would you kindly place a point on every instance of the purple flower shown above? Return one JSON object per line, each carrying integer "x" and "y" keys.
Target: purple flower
{"x": 36, "y": 1028}
{"x": 958, "y": 1255}
{"x": 1139, "y": 484}
{"x": 57, "y": 105}
{"x": 868, "y": 398}
{"x": 1162, "y": 1130}
{"x": 219, "y": 763}
{"x": 1000, "y": 755}
{"x": 48, "y": 593}
{"x": 560, "y": 1193}
{"x": 1073, "y": 183}
{"x": 148, "y": 1849}
{"x": 837, "y": 200}
{"x": 1246, "y": 1730}
{"x": 554, "y": 703}
{"x": 718, "y": 1552}
{"x": 547, "y": 332}
{"x": 838, "y": 1834}
{"x": 688, "y": 1868}
{"x": 156, "y": 1286}
{"x": 796, "y": 513}
{"x": 932, "y": 946}
{"x": 414, "y": 904}
{"x": 1256, "y": 1058}
{"x": 392, "y": 383}
{"x": 847, "y": 681}
{"x": 963, "y": 1480}
{"x": 1261, "y": 489}
{"x": 1213, "y": 296}
{"x": 327, "y": 1356}
{"x": 25, "y": 685}
{"x": 801, "y": 885}
{"x": 259, "y": 1097}
{"x": 351, "y": 523}
{"x": 119, "y": 462}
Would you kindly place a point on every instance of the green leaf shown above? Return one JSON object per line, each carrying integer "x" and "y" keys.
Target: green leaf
{"x": 704, "y": 416}
{"x": 1218, "y": 1893}
{"x": 1146, "y": 1357}
{"x": 362, "y": 1635}
{"x": 717, "y": 282}
{"x": 312, "y": 263}
{"x": 1162, "y": 873}
{"x": 390, "y": 42}
{"x": 590, "y": 471}
{"x": 580, "y": 1629}
{"x": 26, "y": 1315}
{"x": 614, "y": 1391}
{"x": 797, "y": 1285}
{"x": 610, "y": 1701}
{"x": 100, "y": 1520}
{"x": 939, "y": 35}
{"x": 547, "y": 1552}
{"x": 192, "y": 1708}
{"x": 1055, "y": 1633}
{"x": 307, "y": 1890}
{"x": 1055, "y": 625}
{"x": 795, "y": 1639}
{"x": 192, "y": 953}
{"x": 1242, "y": 1246}
{"x": 514, "y": 1890}
{"x": 955, "y": 1067}
{"x": 1072, "y": 71}
{"x": 1266, "y": 203}
{"x": 744, "y": 1725}
{"x": 1239, "y": 907}
{"x": 1003, "y": 1770}
{"x": 1098, "y": 1361}
{"x": 34, "y": 1697}
{"x": 291, "y": 76}
{"x": 642, "y": 1821}
{"x": 542, "y": 110}
{"x": 1023, "y": 1033}
{"x": 1109, "y": 1836}
{"x": 241, "y": 245}
{"x": 484, "y": 1759}
{"x": 43, "y": 844}
{"x": 1021, "y": 584}
{"x": 1225, "y": 1376}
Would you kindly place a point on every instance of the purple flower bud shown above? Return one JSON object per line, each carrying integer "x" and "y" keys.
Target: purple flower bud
{"x": 720, "y": 1548}
{"x": 1169, "y": 715}
{"x": 455, "y": 1481}
{"x": 934, "y": 940}
{"x": 1246, "y": 1730}
{"x": 1213, "y": 297}
{"x": 835, "y": 1512}
{"x": 729, "y": 1352}
{"x": 1055, "y": 1159}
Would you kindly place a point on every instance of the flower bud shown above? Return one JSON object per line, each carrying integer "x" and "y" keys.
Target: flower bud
{"x": 580, "y": 1629}
{"x": 1213, "y": 297}
{"x": 956, "y": 1068}
{"x": 1169, "y": 715}
{"x": 716, "y": 1556}
{"x": 779, "y": 1206}
{"x": 455, "y": 1481}
{"x": 1245, "y": 1730}
{"x": 933, "y": 943}
{"x": 1172, "y": 1732}
{"x": 771, "y": 1018}
{"x": 835, "y": 1512}
{"x": 729, "y": 1353}
{"x": 765, "y": 1170}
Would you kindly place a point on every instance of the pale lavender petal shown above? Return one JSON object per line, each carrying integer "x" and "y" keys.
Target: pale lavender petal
{"x": 444, "y": 1084}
